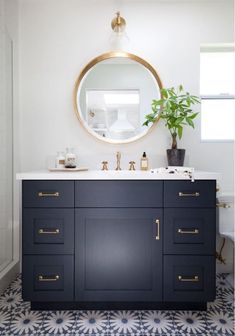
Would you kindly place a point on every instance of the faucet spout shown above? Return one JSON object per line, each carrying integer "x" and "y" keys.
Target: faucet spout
{"x": 118, "y": 156}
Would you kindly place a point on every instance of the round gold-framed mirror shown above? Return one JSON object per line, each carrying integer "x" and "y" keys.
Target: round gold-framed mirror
{"x": 112, "y": 95}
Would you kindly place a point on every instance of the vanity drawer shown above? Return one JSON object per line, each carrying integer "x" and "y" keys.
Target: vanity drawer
{"x": 189, "y": 278}
{"x": 200, "y": 193}
{"x": 48, "y": 231}
{"x": 48, "y": 278}
{"x": 189, "y": 231}
{"x": 48, "y": 194}
{"x": 115, "y": 194}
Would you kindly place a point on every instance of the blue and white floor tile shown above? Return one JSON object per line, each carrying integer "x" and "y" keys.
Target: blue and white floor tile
{"x": 190, "y": 322}
{"x": 16, "y": 318}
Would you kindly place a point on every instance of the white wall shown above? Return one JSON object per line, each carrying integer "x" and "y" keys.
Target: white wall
{"x": 58, "y": 37}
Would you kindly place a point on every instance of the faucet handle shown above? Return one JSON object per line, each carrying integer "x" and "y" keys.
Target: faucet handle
{"x": 105, "y": 165}
{"x": 132, "y": 165}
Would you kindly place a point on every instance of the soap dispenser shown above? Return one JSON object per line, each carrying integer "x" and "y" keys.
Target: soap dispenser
{"x": 144, "y": 164}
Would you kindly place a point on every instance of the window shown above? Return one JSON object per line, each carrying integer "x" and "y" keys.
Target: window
{"x": 217, "y": 89}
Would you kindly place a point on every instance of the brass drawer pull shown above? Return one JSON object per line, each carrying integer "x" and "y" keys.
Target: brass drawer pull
{"x": 41, "y": 278}
{"x": 48, "y": 194}
{"x": 194, "y": 231}
{"x": 158, "y": 229}
{"x": 193, "y": 279}
{"x": 42, "y": 231}
{"x": 183, "y": 194}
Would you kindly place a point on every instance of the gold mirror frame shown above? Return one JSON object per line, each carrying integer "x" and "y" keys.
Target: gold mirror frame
{"x": 85, "y": 70}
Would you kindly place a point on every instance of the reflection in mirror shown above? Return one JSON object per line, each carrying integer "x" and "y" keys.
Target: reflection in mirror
{"x": 113, "y": 95}
{"x": 113, "y": 113}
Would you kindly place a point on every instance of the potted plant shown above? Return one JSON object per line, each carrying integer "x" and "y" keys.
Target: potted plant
{"x": 174, "y": 107}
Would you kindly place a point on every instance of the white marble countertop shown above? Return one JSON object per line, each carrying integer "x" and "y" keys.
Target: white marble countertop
{"x": 112, "y": 175}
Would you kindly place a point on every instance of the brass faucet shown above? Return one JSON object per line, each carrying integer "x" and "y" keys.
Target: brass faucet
{"x": 118, "y": 156}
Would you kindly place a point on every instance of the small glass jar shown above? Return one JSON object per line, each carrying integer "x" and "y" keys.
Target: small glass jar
{"x": 70, "y": 158}
{"x": 60, "y": 160}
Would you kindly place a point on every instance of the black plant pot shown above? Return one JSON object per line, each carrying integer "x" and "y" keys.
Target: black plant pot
{"x": 175, "y": 157}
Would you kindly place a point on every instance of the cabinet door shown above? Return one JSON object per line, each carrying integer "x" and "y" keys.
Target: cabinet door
{"x": 118, "y": 255}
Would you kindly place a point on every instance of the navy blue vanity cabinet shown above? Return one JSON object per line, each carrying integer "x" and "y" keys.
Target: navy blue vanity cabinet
{"x": 189, "y": 241}
{"x": 48, "y": 241}
{"x": 118, "y": 244}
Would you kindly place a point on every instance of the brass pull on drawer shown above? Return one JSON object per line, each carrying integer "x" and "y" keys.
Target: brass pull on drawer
{"x": 184, "y": 279}
{"x": 41, "y": 278}
{"x": 157, "y": 229}
{"x": 184, "y": 194}
{"x": 183, "y": 231}
{"x": 48, "y": 194}
{"x": 42, "y": 231}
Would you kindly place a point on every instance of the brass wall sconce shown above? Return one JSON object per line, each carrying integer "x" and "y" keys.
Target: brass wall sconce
{"x": 118, "y": 23}
{"x": 119, "y": 39}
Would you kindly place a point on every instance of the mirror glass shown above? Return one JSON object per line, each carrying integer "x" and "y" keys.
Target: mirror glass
{"x": 113, "y": 94}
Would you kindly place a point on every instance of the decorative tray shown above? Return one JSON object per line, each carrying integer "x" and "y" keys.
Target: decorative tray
{"x": 67, "y": 169}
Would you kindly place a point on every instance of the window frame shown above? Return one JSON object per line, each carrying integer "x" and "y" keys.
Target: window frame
{"x": 213, "y": 48}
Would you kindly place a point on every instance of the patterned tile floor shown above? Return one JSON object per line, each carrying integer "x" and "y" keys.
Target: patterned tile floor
{"x": 16, "y": 318}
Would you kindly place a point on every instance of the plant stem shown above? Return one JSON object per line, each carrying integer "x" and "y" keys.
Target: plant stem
{"x": 174, "y": 141}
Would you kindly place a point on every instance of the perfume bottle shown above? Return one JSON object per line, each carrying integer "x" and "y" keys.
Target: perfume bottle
{"x": 144, "y": 164}
{"x": 70, "y": 158}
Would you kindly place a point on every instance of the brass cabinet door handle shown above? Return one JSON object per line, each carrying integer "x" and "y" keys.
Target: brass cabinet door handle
{"x": 42, "y": 278}
{"x": 42, "y": 231}
{"x": 184, "y": 279}
{"x": 183, "y": 231}
{"x": 48, "y": 194}
{"x": 185, "y": 194}
{"x": 157, "y": 229}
